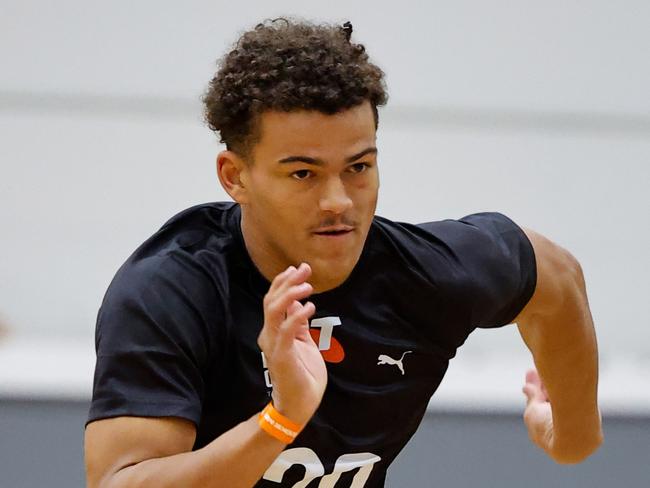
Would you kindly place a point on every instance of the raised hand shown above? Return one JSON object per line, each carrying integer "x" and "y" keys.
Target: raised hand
{"x": 295, "y": 364}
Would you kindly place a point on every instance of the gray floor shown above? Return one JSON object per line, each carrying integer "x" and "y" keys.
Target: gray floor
{"x": 41, "y": 445}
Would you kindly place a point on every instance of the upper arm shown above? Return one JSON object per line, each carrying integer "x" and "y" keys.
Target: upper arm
{"x": 113, "y": 444}
{"x": 559, "y": 280}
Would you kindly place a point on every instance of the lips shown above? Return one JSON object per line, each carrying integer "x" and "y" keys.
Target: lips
{"x": 334, "y": 230}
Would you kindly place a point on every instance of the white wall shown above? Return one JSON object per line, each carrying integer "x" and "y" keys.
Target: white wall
{"x": 536, "y": 109}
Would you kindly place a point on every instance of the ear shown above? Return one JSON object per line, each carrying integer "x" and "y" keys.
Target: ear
{"x": 230, "y": 169}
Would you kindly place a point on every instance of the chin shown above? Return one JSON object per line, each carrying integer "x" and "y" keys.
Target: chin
{"x": 330, "y": 273}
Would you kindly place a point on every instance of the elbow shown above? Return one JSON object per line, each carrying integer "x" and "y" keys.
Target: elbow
{"x": 578, "y": 454}
{"x": 577, "y": 445}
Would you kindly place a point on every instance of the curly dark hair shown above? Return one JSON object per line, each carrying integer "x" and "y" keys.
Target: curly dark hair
{"x": 288, "y": 65}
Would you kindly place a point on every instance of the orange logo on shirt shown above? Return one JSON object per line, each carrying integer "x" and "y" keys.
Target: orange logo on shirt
{"x": 335, "y": 353}
{"x": 321, "y": 330}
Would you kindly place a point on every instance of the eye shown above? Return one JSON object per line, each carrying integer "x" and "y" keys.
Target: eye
{"x": 359, "y": 167}
{"x": 301, "y": 174}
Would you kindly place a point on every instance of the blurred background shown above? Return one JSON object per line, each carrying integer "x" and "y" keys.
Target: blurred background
{"x": 539, "y": 110}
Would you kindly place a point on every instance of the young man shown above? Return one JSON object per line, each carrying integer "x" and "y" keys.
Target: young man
{"x": 293, "y": 338}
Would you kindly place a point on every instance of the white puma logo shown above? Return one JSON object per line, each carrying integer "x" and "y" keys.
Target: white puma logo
{"x": 384, "y": 359}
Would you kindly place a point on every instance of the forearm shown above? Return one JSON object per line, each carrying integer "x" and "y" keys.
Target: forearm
{"x": 564, "y": 347}
{"x": 236, "y": 459}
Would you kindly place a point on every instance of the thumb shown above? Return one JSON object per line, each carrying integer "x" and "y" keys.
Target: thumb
{"x": 533, "y": 393}
{"x": 532, "y": 376}
{"x": 533, "y": 388}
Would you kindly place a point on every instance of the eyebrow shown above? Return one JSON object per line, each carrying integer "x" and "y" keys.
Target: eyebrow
{"x": 320, "y": 162}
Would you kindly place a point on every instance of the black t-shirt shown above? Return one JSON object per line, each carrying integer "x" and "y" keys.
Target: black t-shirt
{"x": 177, "y": 334}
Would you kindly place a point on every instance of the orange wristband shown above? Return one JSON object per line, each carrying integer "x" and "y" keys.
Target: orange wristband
{"x": 277, "y": 425}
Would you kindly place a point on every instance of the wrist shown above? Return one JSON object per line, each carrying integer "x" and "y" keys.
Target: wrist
{"x": 297, "y": 413}
{"x": 277, "y": 425}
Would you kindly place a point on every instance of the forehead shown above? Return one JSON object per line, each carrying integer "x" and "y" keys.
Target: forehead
{"x": 313, "y": 133}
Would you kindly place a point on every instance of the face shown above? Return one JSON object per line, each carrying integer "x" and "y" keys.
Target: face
{"x": 310, "y": 193}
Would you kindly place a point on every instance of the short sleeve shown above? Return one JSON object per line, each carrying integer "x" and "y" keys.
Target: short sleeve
{"x": 494, "y": 265}
{"x": 154, "y": 340}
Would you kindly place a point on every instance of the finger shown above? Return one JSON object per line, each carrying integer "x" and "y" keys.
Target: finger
{"x": 281, "y": 278}
{"x": 269, "y": 336}
{"x": 299, "y": 312}
{"x": 533, "y": 393}
{"x": 303, "y": 332}
{"x": 292, "y": 272}
{"x": 297, "y": 317}
{"x": 274, "y": 312}
{"x": 293, "y": 308}
{"x": 300, "y": 275}
{"x": 532, "y": 376}
{"x": 533, "y": 390}
{"x": 277, "y": 309}
{"x": 270, "y": 330}
{"x": 295, "y": 322}
{"x": 289, "y": 277}
{"x": 276, "y": 284}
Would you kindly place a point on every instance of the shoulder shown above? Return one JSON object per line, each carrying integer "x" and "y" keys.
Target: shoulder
{"x": 476, "y": 236}
{"x": 482, "y": 264}
{"x": 448, "y": 229}
{"x": 179, "y": 275}
{"x": 209, "y": 224}
{"x": 192, "y": 245}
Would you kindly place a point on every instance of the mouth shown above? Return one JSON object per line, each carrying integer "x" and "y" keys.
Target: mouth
{"x": 334, "y": 231}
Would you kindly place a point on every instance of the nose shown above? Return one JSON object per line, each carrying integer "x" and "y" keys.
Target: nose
{"x": 334, "y": 197}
